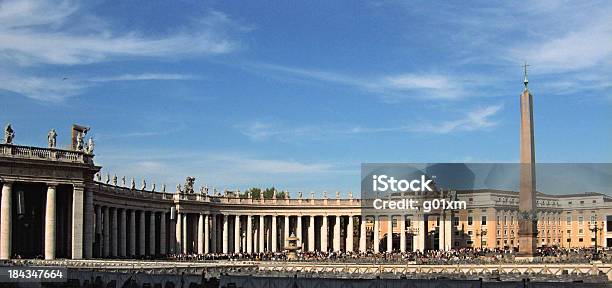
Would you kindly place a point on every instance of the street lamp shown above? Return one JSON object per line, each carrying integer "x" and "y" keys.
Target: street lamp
{"x": 595, "y": 228}
{"x": 481, "y": 233}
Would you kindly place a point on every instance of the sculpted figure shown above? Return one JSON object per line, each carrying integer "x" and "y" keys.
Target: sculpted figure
{"x": 189, "y": 181}
{"x": 90, "y": 146}
{"x": 324, "y": 194}
{"x": 337, "y": 194}
{"x": 107, "y": 178}
{"x": 299, "y": 194}
{"x": 115, "y": 180}
{"x": 133, "y": 184}
{"x": 163, "y": 187}
{"x": 9, "y": 134}
{"x": 144, "y": 185}
{"x": 178, "y": 188}
{"x": 350, "y": 194}
{"x": 98, "y": 177}
{"x": 122, "y": 181}
{"x": 79, "y": 139}
{"x": 51, "y": 138}
{"x": 153, "y": 188}
{"x": 311, "y": 195}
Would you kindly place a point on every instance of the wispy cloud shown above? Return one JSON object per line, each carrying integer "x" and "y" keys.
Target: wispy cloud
{"x": 480, "y": 118}
{"x": 35, "y": 34}
{"x": 143, "y": 77}
{"x": 391, "y": 87}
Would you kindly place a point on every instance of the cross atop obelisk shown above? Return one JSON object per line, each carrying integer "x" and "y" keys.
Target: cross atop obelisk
{"x": 527, "y": 195}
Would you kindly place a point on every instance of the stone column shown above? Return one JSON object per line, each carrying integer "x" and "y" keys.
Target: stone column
{"x": 448, "y": 234}
{"x": 225, "y": 234}
{"x": 201, "y": 234}
{"x": 349, "y": 234}
{"x": 420, "y": 237}
{"x": 99, "y": 225}
{"x": 311, "y": 234}
{"x": 249, "y": 232}
{"x": 142, "y": 240}
{"x": 324, "y": 234}
{"x": 376, "y": 237}
{"x": 162, "y": 233}
{"x": 50, "y": 223}
{"x": 402, "y": 224}
{"x": 152, "y": 234}
{"x": 77, "y": 222}
{"x": 6, "y": 221}
{"x": 286, "y": 230}
{"x": 261, "y": 233}
{"x": 362, "y": 234}
{"x": 213, "y": 233}
{"x": 132, "y": 233}
{"x": 122, "y": 234}
{"x": 178, "y": 235}
{"x": 185, "y": 233}
{"x": 390, "y": 233}
{"x": 113, "y": 231}
{"x": 237, "y": 234}
{"x": 442, "y": 232}
{"x": 106, "y": 232}
{"x": 89, "y": 224}
{"x": 206, "y": 234}
{"x": 298, "y": 230}
{"x": 337, "y": 233}
{"x": 274, "y": 234}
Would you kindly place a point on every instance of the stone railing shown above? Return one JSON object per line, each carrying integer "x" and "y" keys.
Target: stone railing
{"x": 220, "y": 199}
{"x": 52, "y": 154}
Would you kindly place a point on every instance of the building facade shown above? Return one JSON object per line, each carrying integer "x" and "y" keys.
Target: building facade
{"x": 54, "y": 204}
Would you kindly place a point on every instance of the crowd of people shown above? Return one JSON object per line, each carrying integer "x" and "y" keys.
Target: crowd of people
{"x": 454, "y": 256}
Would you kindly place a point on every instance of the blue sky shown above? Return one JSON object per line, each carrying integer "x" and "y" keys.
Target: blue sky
{"x": 299, "y": 94}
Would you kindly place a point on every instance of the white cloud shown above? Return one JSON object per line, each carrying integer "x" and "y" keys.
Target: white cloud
{"x": 39, "y": 88}
{"x": 143, "y": 77}
{"x": 474, "y": 120}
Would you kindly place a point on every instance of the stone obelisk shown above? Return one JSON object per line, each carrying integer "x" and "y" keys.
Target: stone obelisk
{"x": 527, "y": 195}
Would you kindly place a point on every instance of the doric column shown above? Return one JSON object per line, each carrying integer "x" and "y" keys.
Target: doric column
{"x": 162, "y": 233}
{"x": 390, "y": 233}
{"x": 362, "y": 234}
{"x": 337, "y": 233}
{"x": 50, "y": 223}
{"x": 185, "y": 233}
{"x": 349, "y": 234}
{"x": 132, "y": 237}
{"x": 89, "y": 224}
{"x": 225, "y": 234}
{"x": 6, "y": 221}
{"x": 201, "y": 234}
{"x": 249, "y": 232}
{"x": 261, "y": 233}
{"x": 237, "y": 234}
{"x": 274, "y": 234}
{"x": 286, "y": 230}
{"x": 114, "y": 230}
{"x": 122, "y": 234}
{"x": 311, "y": 234}
{"x": 99, "y": 225}
{"x": 178, "y": 235}
{"x": 77, "y": 222}
{"x": 106, "y": 232}
{"x": 142, "y": 244}
{"x": 402, "y": 224}
{"x": 419, "y": 238}
{"x": 152, "y": 234}
{"x": 324, "y": 234}
{"x": 376, "y": 237}
{"x": 298, "y": 230}
{"x": 213, "y": 233}
{"x": 206, "y": 234}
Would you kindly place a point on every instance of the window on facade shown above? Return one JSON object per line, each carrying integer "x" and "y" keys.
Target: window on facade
{"x": 580, "y": 240}
{"x": 483, "y": 220}
{"x": 593, "y": 219}
{"x": 470, "y": 233}
{"x": 394, "y": 223}
{"x": 580, "y": 231}
{"x": 470, "y": 220}
{"x": 580, "y": 220}
{"x": 581, "y": 202}
{"x": 470, "y": 242}
{"x": 609, "y": 223}
{"x": 569, "y": 219}
{"x": 569, "y": 232}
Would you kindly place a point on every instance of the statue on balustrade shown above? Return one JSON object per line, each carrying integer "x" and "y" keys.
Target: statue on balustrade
{"x": 144, "y": 185}
{"x": 299, "y": 194}
{"x": 189, "y": 181}
{"x": 51, "y": 138}
{"x": 324, "y": 194}
{"x": 178, "y": 188}
{"x": 133, "y": 184}
{"x": 153, "y": 188}
{"x": 98, "y": 177}
{"x": 9, "y": 134}
{"x": 80, "y": 138}
{"x": 163, "y": 187}
{"x": 123, "y": 181}
{"x": 337, "y": 194}
{"x": 115, "y": 180}
{"x": 107, "y": 178}
{"x": 90, "y": 146}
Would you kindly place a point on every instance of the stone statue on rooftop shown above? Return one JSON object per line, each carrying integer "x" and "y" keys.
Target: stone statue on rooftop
{"x": 178, "y": 188}
{"x": 9, "y": 134}
{"x": 299, "y": 194}
{"x": 98, "y": 177}
{"x": 122, "y": 181}
{"x": 324, "y": 194}
{"x": 337, "y": 194}
{"x": 90, "y": 146}
{"x": 115, "y": 180}
{"x": 153, "y": 188}
{"x": 144, "y": 184}
{"x": 80, "y": 141}
{"x": 189, "y": 181}
{"x": 133, "y": 184}
{"x": 163, "y": 187}
{"x": 312, "y": 195}
{"x": 107, "y": 178}
{"x": 51, "y": 138}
